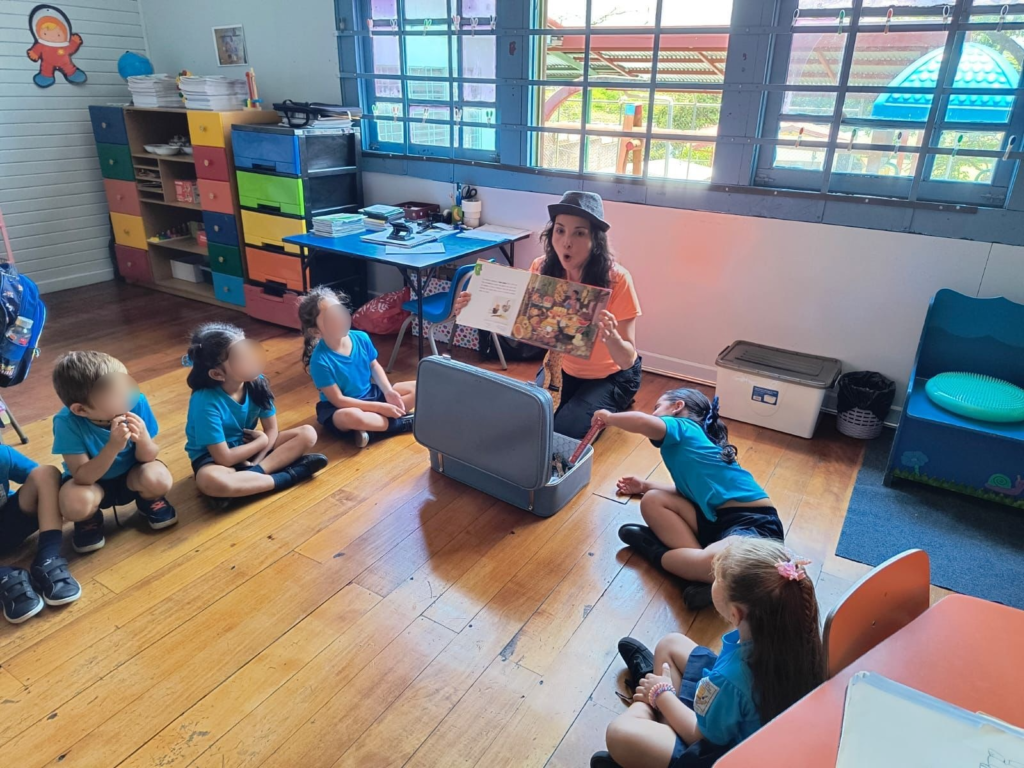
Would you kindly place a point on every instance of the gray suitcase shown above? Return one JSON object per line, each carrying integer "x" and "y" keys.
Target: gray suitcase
{"x": 495, "y": 434}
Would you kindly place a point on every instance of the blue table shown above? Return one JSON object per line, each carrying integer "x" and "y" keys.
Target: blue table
{"x": 456, "y": 248}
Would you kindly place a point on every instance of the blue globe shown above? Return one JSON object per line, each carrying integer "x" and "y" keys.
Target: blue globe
{"x": 132, "y": 64}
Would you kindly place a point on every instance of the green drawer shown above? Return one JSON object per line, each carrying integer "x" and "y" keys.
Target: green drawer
{"x": 116, "y": 161}
{"x": 225, "y": 259}
{"x": 274, "y": 194}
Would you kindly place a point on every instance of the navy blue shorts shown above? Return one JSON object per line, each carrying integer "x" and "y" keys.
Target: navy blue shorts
{"x": 15, "y": 525}
{"x": 703, "y": 753}
{"x": 762, "y": 522}
{"x": 325, "y": 410}
{"x": 206, "y": 459}
{"x": 116, "y": 492}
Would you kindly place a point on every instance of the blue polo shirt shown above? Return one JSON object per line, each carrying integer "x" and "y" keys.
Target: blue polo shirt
{"x": 724, "y": 702}
{"x": 76, "y": 435}
{"x": 350, "y": 372}
{"x": 13, "y": 466}
{"x": 215, "y": 417}
{"x": 698, "y": 470}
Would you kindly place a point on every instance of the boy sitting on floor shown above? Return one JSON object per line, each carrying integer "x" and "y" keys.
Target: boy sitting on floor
{"x": 105, "y": 433}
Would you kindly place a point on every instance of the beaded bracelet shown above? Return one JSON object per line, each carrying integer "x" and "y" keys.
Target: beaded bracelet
{"x": 656, "y": 691}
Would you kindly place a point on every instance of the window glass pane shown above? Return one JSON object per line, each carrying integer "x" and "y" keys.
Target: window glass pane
{"x": 559, "y": 59}
{"x": 681, "y": 160}
{"x": 687, "y": 111}
{"x": 977, "y": 170}
{"x": 388, "y": 130}
{"x": 384, "y": 9}
{"x": 888, "y": 162}
{"x": 622, "y": 13}
{"x": 896, "y": 6}
{"x": 617, "y": 110}
{"x": 478, "y": 60}
{"x": 910, "y": 59}
{"x": 426, "y": 9}
{"x": 824, "y": 4}
{"x": 988, "y": 60}
{"x": 557, "y": 151}
{"x": 696, "y": 13}
{"x": 801, "y": 158}
{"x": 386, "y": 62}
{"x": 809, "y": 103}
{"x": 560, "y": 107}
{"x": 608, "y": 154}
{"x": 482, "y": 9}
{"x": 473, "y": 137}
{"x": 427, "y": 55}
{"x": 563, "y": 13}
{"x": 426, "y": 133}
{"x": 681, "y": 58}
{"x": 816, "y": 58}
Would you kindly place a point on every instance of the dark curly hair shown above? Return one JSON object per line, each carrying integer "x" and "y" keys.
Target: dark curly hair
{"x": 208, "y": 348}
{"x": 598, "y": 269}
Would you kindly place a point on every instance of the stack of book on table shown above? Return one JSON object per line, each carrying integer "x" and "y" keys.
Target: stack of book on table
{"x": 337, "y": 224}
{"x": 378, "y": 217}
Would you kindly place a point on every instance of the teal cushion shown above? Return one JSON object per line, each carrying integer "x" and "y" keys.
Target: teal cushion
{"x": 976, "y": 396}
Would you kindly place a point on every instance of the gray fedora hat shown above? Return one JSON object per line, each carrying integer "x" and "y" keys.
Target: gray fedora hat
{"x": 586, "y": 204}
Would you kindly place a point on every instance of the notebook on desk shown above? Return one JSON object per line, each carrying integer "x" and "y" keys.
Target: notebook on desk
{"x": 384, "y": 238}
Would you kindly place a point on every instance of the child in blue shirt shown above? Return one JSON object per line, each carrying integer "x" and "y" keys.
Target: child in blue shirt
{"x": 711, "y": 496}
{"x": 230, "y": 395}
{"x": 33, "y": 507}
{"x": 105, "y": 434}
{"x": 355, "y": 393}
{"x": 691, "y": 706}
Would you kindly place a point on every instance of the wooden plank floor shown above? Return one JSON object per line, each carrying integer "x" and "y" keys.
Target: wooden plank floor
{"x": 380, "y": 615}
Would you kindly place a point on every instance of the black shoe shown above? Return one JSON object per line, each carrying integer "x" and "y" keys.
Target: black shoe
{"x": 307, "y": 466}
{"x": 401, "y": 425}
{"x": 697, "y": 596}
{"x": 158, "y": 513}
{"x": 639, "y": 661}
{"x": 20, "y": 601}
{"x": 88, "y": 535}
{"x": 602, "y": 760}
{"x": 55, "y": 582}
{"x": 642, "y": 539}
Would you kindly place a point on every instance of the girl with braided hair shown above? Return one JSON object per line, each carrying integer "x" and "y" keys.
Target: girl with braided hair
{"x": 691, "y": 705}
{"x": 710, "y": 499}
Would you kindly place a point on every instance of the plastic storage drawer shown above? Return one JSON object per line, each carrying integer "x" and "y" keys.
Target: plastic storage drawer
{"x": 108, "y": 125}
{"x": 495, "y": 434}
{"x": 225, "y": 259}
{"x": 265, "y": 151}
{"x": 122, "y": 197}
{"x": 212, "y": 163}
{"x": 116, "y": 161}
{"x": 133, "y": 264}
{"x": 229, "y": 288}
{"x": 271, "y": 307}
{"x": 262, "y": 229}
{"x": 269, "y": 267}
{"x": 205, "y": 129}
{"x": 216, "y": 196}
{"x": 221, "y": 228}
{"x": 129, "y": 230}
{"x": 274, "y": 194}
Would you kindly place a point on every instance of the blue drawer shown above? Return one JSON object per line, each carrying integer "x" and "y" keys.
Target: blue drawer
{"x": 221, "y": 228}
{"x": 229, "y": 288}
{"x": 108, "y": 125}
{"x": 259, "y": 151}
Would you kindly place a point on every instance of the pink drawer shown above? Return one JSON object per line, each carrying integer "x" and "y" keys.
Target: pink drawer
{"x": 133, "y": 264}
{"x": 279, "y": 310}
{"x": 215, "y": 196}
{"x": 122, "y": 197}
{"x": 211, "y": 163}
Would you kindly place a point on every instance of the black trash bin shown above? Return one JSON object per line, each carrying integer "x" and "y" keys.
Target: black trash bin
{"x": 865, "y": 398}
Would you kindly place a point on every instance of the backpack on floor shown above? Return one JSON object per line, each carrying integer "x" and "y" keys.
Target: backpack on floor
{"x": 22, "y": 317}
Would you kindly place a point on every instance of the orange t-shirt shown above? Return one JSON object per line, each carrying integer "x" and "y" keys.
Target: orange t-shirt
{"x": 624, "y": 304}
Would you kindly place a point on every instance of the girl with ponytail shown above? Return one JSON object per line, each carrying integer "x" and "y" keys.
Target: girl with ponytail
{"x": 690, "y": 705}
{"x": 710, "y": 499}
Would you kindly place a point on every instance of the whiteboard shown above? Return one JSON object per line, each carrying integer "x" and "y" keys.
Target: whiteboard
{"x": 888, "y": 725}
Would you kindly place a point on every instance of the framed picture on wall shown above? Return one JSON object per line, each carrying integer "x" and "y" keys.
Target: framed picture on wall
{"x": 230, "y": 44}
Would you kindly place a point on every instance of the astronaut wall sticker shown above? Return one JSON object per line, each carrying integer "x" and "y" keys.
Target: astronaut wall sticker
{"x": 55, "y": 45}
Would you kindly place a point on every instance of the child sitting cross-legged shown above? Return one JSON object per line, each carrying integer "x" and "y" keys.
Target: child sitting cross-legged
{"x": 355, "y": 393}
{"x": 230, "y": 395}
{"x": 33, "y": 507}
{"x": 691, "y": 706}
{"x": 105, "y": 433}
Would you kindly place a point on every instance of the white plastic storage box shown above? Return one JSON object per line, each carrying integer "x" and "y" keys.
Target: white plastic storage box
{"x": 774, "y": 388}
{"x": 187, "y": 268}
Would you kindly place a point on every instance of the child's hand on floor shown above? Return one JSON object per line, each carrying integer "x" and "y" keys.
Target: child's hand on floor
{"x": 631, "y": 486}
{"x": 120, "y": 433}
{"x": 651, "y": 680}
{"x": 395, "y": 399}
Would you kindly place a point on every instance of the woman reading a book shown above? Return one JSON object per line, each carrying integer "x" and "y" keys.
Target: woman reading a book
{"x": 576, "y": 249}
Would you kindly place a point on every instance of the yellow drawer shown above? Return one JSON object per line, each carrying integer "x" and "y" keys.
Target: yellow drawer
{"x": 261, "y": 229}
{"x": 128, "y": 230}
{"x": 206, "y": 129}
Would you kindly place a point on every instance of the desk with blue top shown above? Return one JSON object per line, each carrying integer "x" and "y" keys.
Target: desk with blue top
{"x": 422, "y": 265}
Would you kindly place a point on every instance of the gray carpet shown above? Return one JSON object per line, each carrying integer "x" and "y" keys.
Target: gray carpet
{"x": 976, "y": 547}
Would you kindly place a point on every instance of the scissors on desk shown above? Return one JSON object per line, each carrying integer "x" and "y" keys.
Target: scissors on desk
{"x": 468, "y": 193}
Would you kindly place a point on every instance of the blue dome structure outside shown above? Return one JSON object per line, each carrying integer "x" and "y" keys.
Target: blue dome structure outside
{"x": 980, "y": 67}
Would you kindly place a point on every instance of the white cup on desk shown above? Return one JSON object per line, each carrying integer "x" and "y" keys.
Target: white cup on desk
{"x": 471, "y": 210}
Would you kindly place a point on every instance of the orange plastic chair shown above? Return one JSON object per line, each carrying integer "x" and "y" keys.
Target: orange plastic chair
{"x": 883, "y": 602}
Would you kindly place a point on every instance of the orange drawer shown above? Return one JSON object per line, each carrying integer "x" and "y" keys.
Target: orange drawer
{"x": 216, "y": 196}
{"x": 267, "y": 267}
{"x": 122, "y": 197}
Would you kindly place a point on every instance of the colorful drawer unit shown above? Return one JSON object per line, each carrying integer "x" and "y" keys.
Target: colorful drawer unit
{"x": 133, "y": 264}
{"x": 226, "y": 259}
{"x": 108, "y": 125}
{"x": 212, "y": 163}
{"x": 221, "y": 228}
{"x": 116, "y": 161}
{"x": 271, "y": 306}
{"x": 216, "y": 196}
{"x": 122, "y": 197}
{"x": 229, "y": 288}
{"x": 294, "y": 151}
{"x": 263, "y": 230}
{"x": 285, "y": 271}
{"x": 206, "y": 129}
{"x": 272, "y": 194}
{"x": 129, "y": 230}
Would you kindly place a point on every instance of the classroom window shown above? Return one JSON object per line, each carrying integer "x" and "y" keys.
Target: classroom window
{"x": 896, "y": 99}
{"x": 432, "y": 88}
{"x": 626, "y": 92}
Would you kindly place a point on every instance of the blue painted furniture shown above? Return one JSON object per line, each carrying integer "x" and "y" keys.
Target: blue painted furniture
{"x": 940, "y": 448}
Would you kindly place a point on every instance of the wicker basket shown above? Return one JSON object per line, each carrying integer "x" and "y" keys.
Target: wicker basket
{"x": 859, "y": 423}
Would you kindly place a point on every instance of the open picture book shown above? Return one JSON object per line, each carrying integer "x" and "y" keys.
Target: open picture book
{"x": 535, "y": 309}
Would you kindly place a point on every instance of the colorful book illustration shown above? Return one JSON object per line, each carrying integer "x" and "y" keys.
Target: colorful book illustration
{"x": 535, "y": 309}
